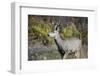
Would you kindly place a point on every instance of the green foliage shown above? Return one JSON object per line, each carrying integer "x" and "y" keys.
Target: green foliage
{"x": 38, "y": 31}
{"x": 69, "y": 31}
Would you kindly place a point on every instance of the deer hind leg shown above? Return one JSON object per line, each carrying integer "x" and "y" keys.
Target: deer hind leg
{"x": 77, "y": 54}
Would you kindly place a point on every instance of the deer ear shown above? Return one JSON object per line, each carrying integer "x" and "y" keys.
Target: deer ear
{"x": 58, "y": 25}
{"x": 55, "y": 27}
{"x": 58, "y": 28}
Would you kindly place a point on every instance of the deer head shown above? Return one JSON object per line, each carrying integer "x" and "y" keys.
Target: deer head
{"x": 56, "y": 30}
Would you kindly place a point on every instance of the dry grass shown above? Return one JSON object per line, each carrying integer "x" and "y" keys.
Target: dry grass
{"x": 54, "y": 54}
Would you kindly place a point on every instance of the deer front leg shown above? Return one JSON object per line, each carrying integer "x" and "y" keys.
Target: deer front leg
{"x": 65, "y": 55}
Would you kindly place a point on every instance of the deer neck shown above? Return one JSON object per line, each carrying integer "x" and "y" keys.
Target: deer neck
{"x": 58, "y": 39}
{"x": 59, "y": 43}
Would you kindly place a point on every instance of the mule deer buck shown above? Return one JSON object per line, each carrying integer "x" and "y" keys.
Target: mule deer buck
{"x": 66, "y": 46}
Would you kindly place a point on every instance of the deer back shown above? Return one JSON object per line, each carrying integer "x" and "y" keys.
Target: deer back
{"x": 72, "y": 44}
